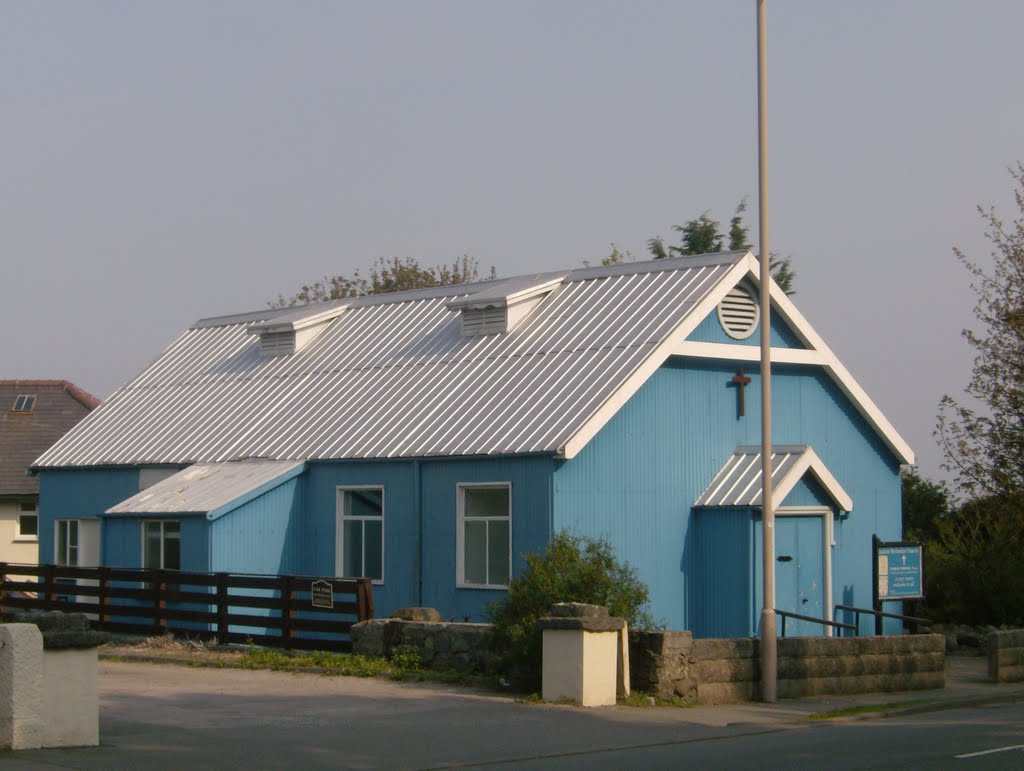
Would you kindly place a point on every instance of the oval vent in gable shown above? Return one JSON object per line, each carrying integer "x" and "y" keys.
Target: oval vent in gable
{"x": 738, "y": 313}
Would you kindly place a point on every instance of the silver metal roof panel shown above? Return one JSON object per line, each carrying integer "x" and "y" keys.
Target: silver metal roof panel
{"x": 393, "y": 376}
{"x": 204, "y": 488}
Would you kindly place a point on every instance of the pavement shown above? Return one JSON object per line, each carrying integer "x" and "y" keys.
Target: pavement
{"x": 170, "y": 716}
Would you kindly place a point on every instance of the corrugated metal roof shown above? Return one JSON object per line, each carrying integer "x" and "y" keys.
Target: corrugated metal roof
{"x": 393, "y": 376}
{"x": 738, "y": 483}
{"x": 205, "y": 487}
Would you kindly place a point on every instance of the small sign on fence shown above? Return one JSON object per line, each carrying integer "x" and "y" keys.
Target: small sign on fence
{"x": 322, "y": 594}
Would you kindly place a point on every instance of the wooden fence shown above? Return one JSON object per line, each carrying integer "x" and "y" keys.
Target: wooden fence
{"x": 283, "y": 611}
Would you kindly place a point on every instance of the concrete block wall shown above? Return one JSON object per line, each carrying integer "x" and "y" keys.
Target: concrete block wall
{"x": 1005, "y": 656}
{"x": 720, "y": 671}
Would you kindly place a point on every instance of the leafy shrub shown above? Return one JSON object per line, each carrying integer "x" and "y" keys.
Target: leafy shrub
{"x": 573, "y": 568}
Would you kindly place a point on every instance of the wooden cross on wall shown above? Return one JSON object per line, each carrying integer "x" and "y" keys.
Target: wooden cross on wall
{"x": 740, "y": 381}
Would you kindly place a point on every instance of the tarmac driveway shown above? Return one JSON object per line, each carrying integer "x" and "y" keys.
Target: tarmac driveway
{"x": 165, "y": 716}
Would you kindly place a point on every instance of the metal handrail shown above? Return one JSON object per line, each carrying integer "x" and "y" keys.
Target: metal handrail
{"x": 912, "y": 620}
{"x": 823, "y": 621}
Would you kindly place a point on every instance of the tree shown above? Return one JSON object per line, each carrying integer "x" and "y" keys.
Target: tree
{"x": 983, "y": 439}
{"x": 703, "y": 236}
{"x": 925, "y": 505}
{"x": 386, "y": 275}
{"x": 975, "y": 556}
{"x": 571, "y": 569}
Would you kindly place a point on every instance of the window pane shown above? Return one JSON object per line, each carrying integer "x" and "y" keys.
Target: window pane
{"x": 172, "y": 548}
{"x": 485, "y": 501}
{"x": 475, "y": 556}
{"x": 364, "y": 503}
{"x": 352, "y": 537}
{"x": 373, "y": 534}
{"x": 151, "y": 546}
{"x": 497, "y": 553}
{"x": 73, "y": 536}
{"x": 28, "y": 524}
{"x": 62, "y": 542}
{"x": 73, "y": 556}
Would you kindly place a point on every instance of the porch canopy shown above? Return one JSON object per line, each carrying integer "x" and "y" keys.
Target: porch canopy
{"x": 738, "y": 483}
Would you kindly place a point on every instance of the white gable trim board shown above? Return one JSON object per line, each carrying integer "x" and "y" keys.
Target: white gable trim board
{"x": 738, "y": 482}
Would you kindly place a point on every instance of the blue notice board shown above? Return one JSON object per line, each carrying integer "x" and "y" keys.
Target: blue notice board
{"x": 899, "y": 571}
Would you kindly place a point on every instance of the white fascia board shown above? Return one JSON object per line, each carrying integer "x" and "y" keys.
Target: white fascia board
{"x": 839, "y": 374}
{"x": 816, "y": 353}
{"x": 656, "y": 359}
{"x": 810, "y": 460}
{"x": 730, "y": 352}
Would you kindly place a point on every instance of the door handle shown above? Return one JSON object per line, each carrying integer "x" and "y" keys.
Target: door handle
{"x": 785, "y": 558}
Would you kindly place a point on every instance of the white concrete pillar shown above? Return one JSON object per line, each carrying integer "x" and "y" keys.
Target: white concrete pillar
{"x": 22, "y": 713}
{"x": 581, "y": 654}
{"x": 71, "y": 698}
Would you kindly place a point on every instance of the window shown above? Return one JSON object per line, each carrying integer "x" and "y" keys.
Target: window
{"x": 360, "y": 533}
{"x": 485, "y": 535}
{"x": 28, "y": 522}
{"x": 24, "y": 403}
{"x": 161, "y": 545}
{"x": 67, "y": 542}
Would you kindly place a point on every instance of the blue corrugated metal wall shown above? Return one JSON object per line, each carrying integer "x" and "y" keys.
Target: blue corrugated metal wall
{"x": 531, "y": 520}
{"x": 317, "y": 541}
{"x": 637, "y": 480}
{"x": 431, "y": 486}
{"x": 710, "y": 331}
{"x": 122, "y": 541}
{"x": 79, "y": 495}
{"x": 261, "y": 536}
{"x": 723, "y": 592}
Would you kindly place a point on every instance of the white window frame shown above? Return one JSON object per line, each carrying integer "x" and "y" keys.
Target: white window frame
{"x": 62, "y": 559}
{"x": 163, "y": 542}
{"x": 23, "y": 512}
{"x": 460, "y": 534}
{"x": 339, "y": 531}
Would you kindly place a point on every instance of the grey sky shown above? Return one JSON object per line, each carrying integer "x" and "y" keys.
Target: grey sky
{"x": 167, "y": 161}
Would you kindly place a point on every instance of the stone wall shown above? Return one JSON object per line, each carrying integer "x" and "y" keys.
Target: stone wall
{"x": 1005, "y": 656}
{"x": 440, "y": 645}
{"x": 718, "y": 671}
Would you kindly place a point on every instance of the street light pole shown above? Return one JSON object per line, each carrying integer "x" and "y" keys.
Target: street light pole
{"x": 769, "y": 645}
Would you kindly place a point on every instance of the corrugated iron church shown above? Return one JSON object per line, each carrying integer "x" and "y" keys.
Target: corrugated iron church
{"x": 428, "y": 439}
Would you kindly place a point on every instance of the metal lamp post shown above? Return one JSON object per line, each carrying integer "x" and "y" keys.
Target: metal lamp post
{"x": 769, "y": 645}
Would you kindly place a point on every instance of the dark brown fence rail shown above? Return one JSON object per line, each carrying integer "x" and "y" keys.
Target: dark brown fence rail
{"x": 228, "y": 607}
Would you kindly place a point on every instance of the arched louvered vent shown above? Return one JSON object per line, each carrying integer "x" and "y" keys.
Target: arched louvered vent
{"x": 738, "y": 313}
{"x": 492, "y": 320}
{"x": 278, "y": 343}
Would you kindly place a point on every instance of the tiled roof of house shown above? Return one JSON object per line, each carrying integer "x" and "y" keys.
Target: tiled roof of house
{"x": 24, "y": 434}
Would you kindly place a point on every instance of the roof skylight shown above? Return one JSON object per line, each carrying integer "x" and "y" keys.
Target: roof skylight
{"x": 24, "y": 403}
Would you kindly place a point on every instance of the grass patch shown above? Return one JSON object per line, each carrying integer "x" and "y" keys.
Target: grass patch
{"x": 641, "y": 699}
{"x": 404, "y": 665}
{"x": 863, "y": 709}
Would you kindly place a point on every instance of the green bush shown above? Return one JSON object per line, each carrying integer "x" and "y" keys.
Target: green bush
{"x": 572, "y": 568}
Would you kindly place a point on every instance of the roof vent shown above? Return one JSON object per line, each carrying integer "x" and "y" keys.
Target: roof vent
{"x": 489, "y": 320}
{"x": 501, "y": 307}
{"x": 290, "y": 333}
{"x": 738, "y": 313}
